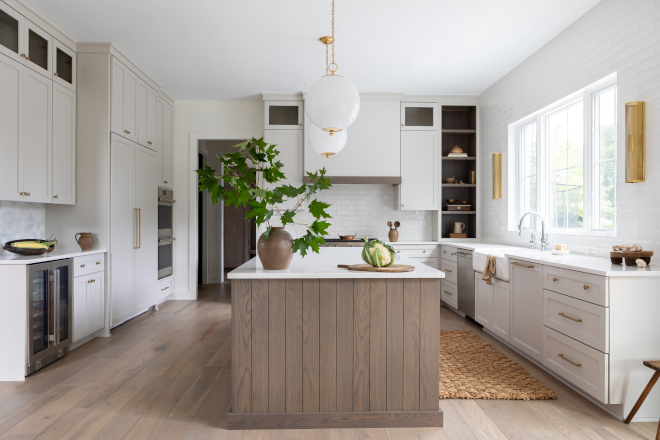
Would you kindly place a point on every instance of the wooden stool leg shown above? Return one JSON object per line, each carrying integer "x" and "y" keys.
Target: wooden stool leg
{"x": 641, "y": 399}
{"x": 657, "y": 434}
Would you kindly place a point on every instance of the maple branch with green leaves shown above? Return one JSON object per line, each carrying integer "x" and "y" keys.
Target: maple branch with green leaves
{"x": 246, "y": 170}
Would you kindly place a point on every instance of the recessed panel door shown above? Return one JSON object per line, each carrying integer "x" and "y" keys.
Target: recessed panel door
{"x": 418, "y": 170}
{"x": 11, "y": 101}
{"x": 11, "y": 33}
{"x": 64, "y": 145}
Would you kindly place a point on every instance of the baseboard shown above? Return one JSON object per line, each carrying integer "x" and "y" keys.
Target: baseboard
{"x": 180, "y": 295}
{"x": 82, "y": 341}
{"x": 384, "y": 419}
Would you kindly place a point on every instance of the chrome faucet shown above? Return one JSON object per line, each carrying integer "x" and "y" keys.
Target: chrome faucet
{"x": 544, "y": 236}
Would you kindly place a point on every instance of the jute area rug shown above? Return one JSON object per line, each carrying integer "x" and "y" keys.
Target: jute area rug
{"x": 470, "y": 368}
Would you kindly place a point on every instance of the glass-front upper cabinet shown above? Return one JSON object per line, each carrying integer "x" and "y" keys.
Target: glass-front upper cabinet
{"x": 38, "y": 52}
{"x": 11, "y": 32}
{"x": 283, "y": 115}
{"x": 419, "y": 116}
{"x": 64, "y": 61}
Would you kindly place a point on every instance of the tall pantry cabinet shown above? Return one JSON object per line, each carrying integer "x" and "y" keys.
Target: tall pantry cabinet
{"x": 125, "y": 140}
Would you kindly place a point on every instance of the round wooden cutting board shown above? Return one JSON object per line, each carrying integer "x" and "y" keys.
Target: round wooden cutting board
{"x": 392, "y": 269}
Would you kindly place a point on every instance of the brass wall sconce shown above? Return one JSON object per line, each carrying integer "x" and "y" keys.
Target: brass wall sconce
{"x": 635, "y": 142}
{"x": 497, "y": 175}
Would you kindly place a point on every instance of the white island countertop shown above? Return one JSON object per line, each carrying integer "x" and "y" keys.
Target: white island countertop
{"x": 324, "y": 265}
{"x": 57, "y": 254}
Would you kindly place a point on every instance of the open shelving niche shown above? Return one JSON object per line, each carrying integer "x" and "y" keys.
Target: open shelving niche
{"x": 459, "y": 127}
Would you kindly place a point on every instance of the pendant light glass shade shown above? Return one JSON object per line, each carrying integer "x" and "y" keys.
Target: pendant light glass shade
{"x": 324, "y": 143}
{"x": 332, "y": 103}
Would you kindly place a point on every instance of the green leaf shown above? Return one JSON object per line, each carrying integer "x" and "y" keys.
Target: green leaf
{"x": 267, "y": 232}
{"x": 320, "y": 227}
{"x": 317, "y": 209}
{"x": 299, "y": 245}
{"x": 287, "y": 217}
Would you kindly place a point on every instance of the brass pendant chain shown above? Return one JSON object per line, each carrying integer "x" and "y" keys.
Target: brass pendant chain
{"x": 327, "y": 66}
{"x": 333, "y": 70}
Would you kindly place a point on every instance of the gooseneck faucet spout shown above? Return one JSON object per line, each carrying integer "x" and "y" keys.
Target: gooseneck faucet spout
{"x": 544, "y": 236}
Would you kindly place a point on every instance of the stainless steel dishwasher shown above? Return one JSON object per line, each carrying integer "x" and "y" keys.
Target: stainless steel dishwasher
{"x": 465, "y": 284}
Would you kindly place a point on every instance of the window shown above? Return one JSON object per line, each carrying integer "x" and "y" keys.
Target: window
{"x": 565, "y": 162}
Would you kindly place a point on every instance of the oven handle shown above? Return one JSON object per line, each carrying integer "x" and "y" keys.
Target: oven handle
{"x": 167, "y": 202}
{"x": 164, "y": 241}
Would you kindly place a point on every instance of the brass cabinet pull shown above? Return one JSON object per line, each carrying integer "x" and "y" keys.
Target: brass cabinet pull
{"x": 139, "y": 228}
{"x": 82, "y": 265}
{"x": 164, "y": 288}
{"x": 453, "y": 253}
{"x": 555, "y": 280}
{"x": 98, "y": 262}
{"x": 22, "y": 193}
{"x": 165, "y": 181}
{"x": 569, "y": 317}
{"x": 568, "y": 360}
{"x": 398, "y": 252}
{"x": 55, "y": 196}
{"x": 424, "y": 252}
{"x": 27, "y": 193}
{"x": 585, "y": 287}
{"x": 448, "y": 293}
{"x": 515, "y": 263}
{"x": 56, "y": 74}
{"x": 23, "y": 55}
{"x": 28, "y": 58}
{"x": 127, "y": 132}
{"x": 403, "y": 125}
{"x": 149, "y": 142}
{"x": 402, "y": 205}
{"x": 444, "y": 252}
{"x": 447, "y": 270}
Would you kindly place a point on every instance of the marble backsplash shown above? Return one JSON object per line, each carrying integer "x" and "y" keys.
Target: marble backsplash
{"x": 21, "y": 220}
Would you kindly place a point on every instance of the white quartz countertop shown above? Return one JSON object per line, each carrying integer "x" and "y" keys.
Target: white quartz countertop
{"x": 57, "y": 254}
{"x": 324, "y": 265}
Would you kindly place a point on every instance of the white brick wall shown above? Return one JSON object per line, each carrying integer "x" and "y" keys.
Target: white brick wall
{"x": 620, "y": 36}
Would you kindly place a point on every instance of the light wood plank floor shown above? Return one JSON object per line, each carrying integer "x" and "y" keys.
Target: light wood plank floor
{"x": 166, "y": 375}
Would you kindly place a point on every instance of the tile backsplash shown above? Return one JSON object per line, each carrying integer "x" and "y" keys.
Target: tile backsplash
{"x": 366, "y": 209}
{"x": 21, "y": 220}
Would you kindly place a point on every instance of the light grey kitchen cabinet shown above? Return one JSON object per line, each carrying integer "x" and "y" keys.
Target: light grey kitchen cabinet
{"x": 419, "y": 116}
{"x": 164, "y": 120}
{"x": 419, "y": 170}
{"x": 64, "y": 65}
{"x": 88, "y": 305}
{"x": 124, "y": 101}
{"x": 526, "y": 320}
{"x": 38, "y": 49}
{"x": 11, "y": 28}
{"x": 64, "y": 145}
{"x": 11, "y": 92}
{"x": 283, "y": 115}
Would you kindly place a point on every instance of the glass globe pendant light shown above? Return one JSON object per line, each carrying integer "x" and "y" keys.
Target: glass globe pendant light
{"x": 326, "y": 143}
{"x": 332, "y": 102}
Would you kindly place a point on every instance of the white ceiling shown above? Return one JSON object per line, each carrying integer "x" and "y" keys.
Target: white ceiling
{"x": 237, "y": 49}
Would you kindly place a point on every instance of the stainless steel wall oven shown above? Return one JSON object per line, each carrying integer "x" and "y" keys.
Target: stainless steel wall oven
{"x": 165, "y": 212}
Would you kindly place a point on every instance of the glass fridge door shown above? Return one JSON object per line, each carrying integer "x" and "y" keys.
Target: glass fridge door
{"x": 63, "y": 283}
{"x": 40, "y": 325}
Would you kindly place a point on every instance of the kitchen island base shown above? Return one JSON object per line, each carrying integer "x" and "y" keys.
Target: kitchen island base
{"x": 335, "y": 352}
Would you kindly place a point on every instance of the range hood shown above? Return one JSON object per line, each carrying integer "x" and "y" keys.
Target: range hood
{"x": 361, "y": 180}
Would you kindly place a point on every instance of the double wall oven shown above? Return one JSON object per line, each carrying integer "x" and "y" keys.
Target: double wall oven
{"x": 50, "y": 290}
{"x": 165, "y": 232}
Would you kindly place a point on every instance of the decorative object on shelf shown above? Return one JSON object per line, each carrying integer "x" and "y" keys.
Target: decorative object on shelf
{"x": 454, "y": 235}
{"x": 451, "y": 201}
{"x": 463, "y": 202}
{"x": 629, "y": 254}
{"x": 449, "y": 179}
{"x": 256, "y": 161}
{"x": 640, "y": 263}
{"x": 497, "y": 176}
{"x": 347, "y": 237}
{"x": 86, "y": 241}
{"x": 30, "y": 247}
{"x": 378, "y": 254}
{"x": 332, "y": 102}
{"x": 393, "y": 234}
{"x": 324, "y": 143}
{"x": 473, "y": 177}
{"x": 635, "y": 142}
{"x": 459, "y": 207}
{"x": 457, "y": 152}
{"x": 458, "y": 227}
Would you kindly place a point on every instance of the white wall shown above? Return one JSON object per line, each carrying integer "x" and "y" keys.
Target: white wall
{"x": 620, "y": 36}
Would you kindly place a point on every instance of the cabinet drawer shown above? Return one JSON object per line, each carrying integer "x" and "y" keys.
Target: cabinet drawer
{"x": 432, "y": 262}
{"x": 450, "y": 269}
{"x": 429, "y": 252}
{"x": 448, "y": 294}
{"x": 584, "y": 286}
{"x": 164, "y": 288}
{"x": 579, "y": 364}
{"x": 88, "y": 264}
{"x": 449, "y": 253}
{"x": 586, "y": 322}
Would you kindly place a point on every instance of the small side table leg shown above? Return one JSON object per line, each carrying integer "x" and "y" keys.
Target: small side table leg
{"x": 641, "y": 399}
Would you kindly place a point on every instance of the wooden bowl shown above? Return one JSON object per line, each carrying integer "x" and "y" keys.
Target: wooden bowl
{"x": 451, "y": 201}
{"x": 618, "y": 257}
{"x": 449, "y": 180}
{"x": 347, "y": 237}
{"x": 22, "y": 251}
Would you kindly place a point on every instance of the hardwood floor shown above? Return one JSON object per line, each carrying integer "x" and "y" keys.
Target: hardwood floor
{"x": 166, "y": 375}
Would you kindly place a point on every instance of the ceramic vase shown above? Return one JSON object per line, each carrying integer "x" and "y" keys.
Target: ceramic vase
{"x": 275, "y": 251}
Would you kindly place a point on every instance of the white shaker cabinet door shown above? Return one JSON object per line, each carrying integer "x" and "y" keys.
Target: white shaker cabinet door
{"x": 64, "y": 146}
{"x": 11, "y": 92}
{"x": 483, "y": 301}
{"x": 501, "y": 309}
{"x": 123, "y": 228}
{"x": 124, "y": 92}
{"x": 96, "y": 302}
{"x": 166, "y": 149}
{"x": 36, "y": 140}
{"x": 141, "y": 112}
{"x": 527, "y": 308}
{"x": 80, "y": 307}
{"x": 152, "y": 116}
{"x": 419, "y": 156}
{"x": 146, "y": 254}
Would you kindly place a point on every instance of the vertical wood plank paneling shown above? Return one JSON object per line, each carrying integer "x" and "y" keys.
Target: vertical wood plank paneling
{"x": 429, "y": 339}
{"x": 259, "y": 385}
{"x": 276, "y": 346}
{"x": 411, "y": 304}
{"x": 345, "y": 344}
{"x": 394, "y": 344}
{"x": 241, "y": 359}
{"x": 293, "y": 346}
{"x": 310, "y": 367}
{"x": 361, "y": 312}
{"x": 328, "y": 345}
{"x": 378, "y": 346}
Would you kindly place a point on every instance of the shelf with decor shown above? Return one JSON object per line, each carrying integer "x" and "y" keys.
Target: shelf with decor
{"x": 459, "y": 161}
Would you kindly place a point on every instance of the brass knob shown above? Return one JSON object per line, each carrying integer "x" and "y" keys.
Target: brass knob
{"x": 98, "y": 262}
{"x": 300, "y": 125}
{"x": 585, "y": 287}
{"x": 55, "y": 196}
{"x": 398, "y": 252}
{"x": 554, "y": 279}
{"x": 127, "y": 132}
{"x": 165, "y": 181}
{"x": 28, "y": 58}
{"x": 27, "y": 194}
{"x": 402, "y": 125}
{"x": 22, "y": 193}
{"x": 23, "y": 55}
{"x": 149, "y": 142}
{"x": 402, "y": 205}
{"x": 424, "y": 252}
{"x": 82, "y": 265}
{"x": 57, "y": 74}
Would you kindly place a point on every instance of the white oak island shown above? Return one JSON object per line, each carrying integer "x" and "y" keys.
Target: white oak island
{"x": 317, "y": 346}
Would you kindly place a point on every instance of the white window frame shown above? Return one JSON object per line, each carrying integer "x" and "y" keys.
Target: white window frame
{"x": 516, "y": 190}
